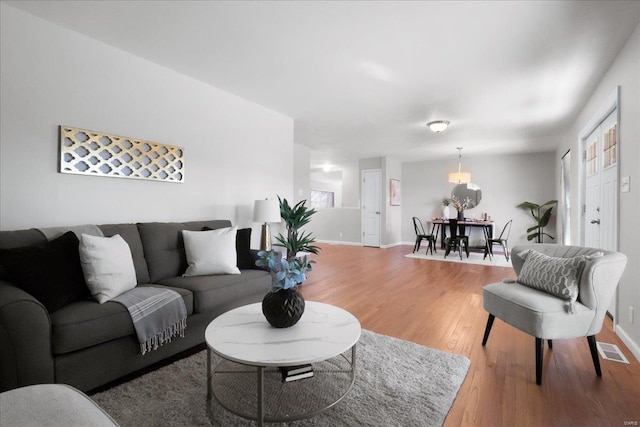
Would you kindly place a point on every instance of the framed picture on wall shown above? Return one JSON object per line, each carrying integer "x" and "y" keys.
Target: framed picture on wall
{"x": 394, "y": 191}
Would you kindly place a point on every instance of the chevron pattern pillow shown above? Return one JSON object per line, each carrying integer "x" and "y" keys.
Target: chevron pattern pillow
{"x": 556, "y": 276}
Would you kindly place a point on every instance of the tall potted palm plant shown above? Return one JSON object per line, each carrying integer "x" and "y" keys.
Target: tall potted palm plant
{"x": 541, "y": 216}
{"x": 284, "y": 305}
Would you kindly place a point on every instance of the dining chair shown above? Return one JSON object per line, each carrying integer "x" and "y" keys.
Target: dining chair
{"x": 457, "y": 239}
{"x": 421, "y": 235}
{"x": 501, "y": 240}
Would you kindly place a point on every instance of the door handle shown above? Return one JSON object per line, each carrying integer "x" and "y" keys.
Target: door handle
{"x": 595, "y": 221}
{"x": 377, "y": 212}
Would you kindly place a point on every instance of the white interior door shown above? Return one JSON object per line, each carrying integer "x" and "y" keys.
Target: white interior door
{"x": 601, "y": 195}
{"x": 371, "y": 198}
{"x": 592, "y": 191}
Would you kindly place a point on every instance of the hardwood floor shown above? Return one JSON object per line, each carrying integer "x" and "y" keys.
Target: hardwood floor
{"x": 439, "y": 305}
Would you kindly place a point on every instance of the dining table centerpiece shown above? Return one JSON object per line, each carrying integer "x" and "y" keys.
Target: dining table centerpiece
{"x": 284, "y": 305}
{"x": 460, "y": 206}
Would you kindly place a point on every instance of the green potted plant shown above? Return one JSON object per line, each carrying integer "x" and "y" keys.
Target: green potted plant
{"x": 284, "y": 305}
{"x": 541, "y": 216}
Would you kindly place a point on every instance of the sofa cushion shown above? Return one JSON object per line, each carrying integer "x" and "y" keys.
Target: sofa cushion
{"x": 224, "y": 292}
{"x": 129, "y": 232}
{"x": 164, "y": 247}
{"x": 86, "y": 323}
{"x": 50, "y": 272}
{"x": 211, "y": 252}
{"x": 107, "y": 266}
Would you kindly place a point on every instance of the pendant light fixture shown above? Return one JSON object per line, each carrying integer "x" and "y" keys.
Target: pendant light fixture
{"x": 459, "y": 177}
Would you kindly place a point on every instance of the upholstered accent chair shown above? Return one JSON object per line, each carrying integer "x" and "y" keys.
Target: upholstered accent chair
{"x": 562, "y": 292}
{"x": 51, "y": 405}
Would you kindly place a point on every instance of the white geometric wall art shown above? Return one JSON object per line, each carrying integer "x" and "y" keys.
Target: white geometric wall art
{"x": 87, "y": 152}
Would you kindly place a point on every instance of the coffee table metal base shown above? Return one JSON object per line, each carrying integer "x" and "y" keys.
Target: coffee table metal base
{"x": 275, "y": 400}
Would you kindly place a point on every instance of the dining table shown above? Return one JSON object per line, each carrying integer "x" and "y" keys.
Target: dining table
{"x": 439, "y": 228}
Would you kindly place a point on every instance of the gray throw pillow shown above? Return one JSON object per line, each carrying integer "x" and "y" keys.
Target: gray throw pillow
{"x": 556, "y": 276}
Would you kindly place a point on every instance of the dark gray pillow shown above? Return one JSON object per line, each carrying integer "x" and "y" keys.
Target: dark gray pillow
{"x": 51, "y": 273}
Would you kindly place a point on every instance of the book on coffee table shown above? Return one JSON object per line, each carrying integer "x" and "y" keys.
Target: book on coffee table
{"x": 292, "y": 373}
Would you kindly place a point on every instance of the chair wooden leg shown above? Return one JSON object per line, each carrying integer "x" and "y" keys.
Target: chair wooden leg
{"x": 430, "y": 247}
{"x": 487, "y": 329}
{"x": 416, "y": 245}
{"x": 506, "y": 250}
{"x": 594, "y": 354}
{"x": 539, "y": 350}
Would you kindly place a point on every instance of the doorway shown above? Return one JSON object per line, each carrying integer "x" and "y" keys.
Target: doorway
{"x": 565, "y": 200}
{"x": 371, "y": 198}
{"x": 599, "y": 175}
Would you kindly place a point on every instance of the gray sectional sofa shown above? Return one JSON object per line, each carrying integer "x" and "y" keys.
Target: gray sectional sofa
{"x": 87, "y": 344}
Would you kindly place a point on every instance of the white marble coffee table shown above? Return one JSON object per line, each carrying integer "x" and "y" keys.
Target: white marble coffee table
{"x": 244, "y": 337}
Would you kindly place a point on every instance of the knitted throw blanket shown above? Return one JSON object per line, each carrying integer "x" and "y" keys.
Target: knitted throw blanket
{"x": 158, "y": 315}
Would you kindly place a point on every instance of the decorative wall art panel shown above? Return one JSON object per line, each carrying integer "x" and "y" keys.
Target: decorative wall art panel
{"x": 88, "y": 152}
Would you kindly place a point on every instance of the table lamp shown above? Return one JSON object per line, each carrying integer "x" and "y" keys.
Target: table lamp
{"x": 266, "y": 211}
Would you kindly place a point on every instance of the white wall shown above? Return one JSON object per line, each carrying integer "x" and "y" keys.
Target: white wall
{"x": 624, "y": 72}
{"x": 301, "y": 177}
{"x": 505, "y": 181}
{"x": 236, "y": 151}
{"x": 350, "y": 184}
{"x": 392, "y": 215}
{"x": 336, "y": 225}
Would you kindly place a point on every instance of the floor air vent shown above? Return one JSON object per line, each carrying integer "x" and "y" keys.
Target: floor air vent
{"x": 611, "y": 352}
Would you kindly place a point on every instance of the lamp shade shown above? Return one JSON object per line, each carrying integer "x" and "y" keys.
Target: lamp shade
{"x": 266, "y": 211}
{"x": 460, "y": 177}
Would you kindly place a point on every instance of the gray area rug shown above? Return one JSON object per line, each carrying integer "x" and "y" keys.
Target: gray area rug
{"x": 398, "y": 383}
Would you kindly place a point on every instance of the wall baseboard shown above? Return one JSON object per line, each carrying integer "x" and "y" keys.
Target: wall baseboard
{"x": 339, "y": 242}
{"x": 391, "y": 245}
{"x": 626, "y": 339}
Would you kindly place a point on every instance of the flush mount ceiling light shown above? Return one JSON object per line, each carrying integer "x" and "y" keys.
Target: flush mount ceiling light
{"x": 438, "y": 126}
{"x": 459, "y": 177}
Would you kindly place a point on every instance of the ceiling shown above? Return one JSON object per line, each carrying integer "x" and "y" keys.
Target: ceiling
{"x": 361, "y": 79}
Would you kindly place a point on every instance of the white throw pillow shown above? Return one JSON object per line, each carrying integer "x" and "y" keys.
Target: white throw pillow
{"x": 107, "y": 265}
{"x": 211, "y": 252}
